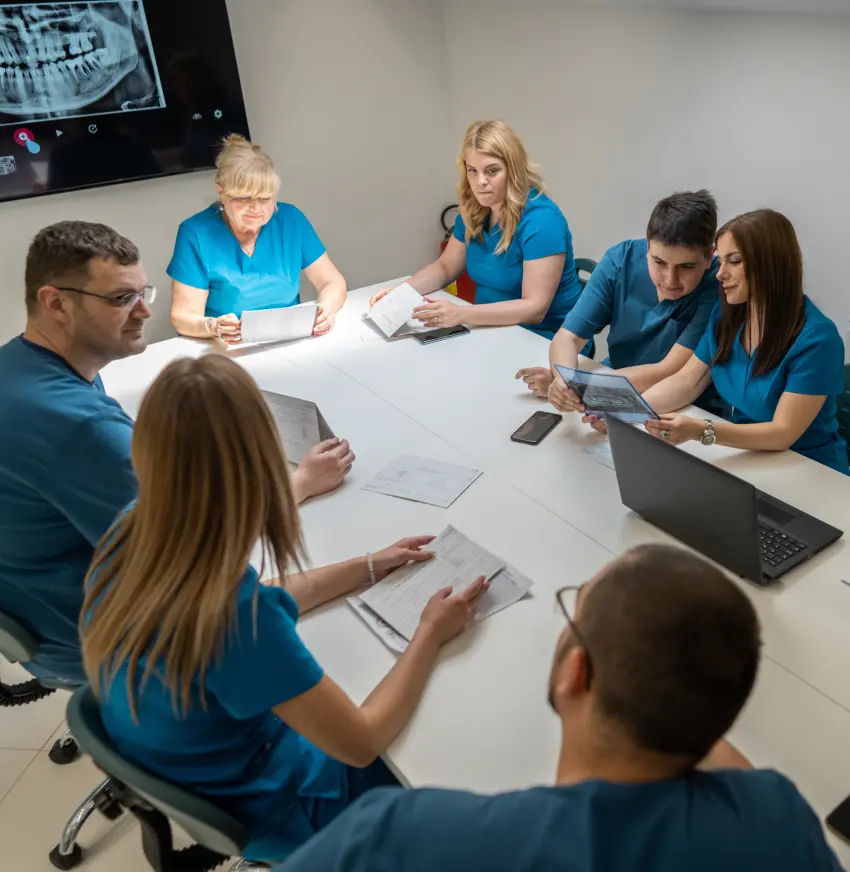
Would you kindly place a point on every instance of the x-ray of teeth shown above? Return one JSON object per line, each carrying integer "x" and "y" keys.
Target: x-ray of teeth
{"x": 8, "y": 165}
{"x": 63, "y": 60}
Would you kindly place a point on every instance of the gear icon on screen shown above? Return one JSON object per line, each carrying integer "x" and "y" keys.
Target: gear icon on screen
{"x": 217, "y": 113}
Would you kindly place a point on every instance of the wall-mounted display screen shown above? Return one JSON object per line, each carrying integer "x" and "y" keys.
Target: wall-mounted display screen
{"x": 93, "y": 93}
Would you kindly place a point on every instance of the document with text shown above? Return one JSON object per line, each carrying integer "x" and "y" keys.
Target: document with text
{"x": 300, "y": 423}
{"x": 423, "y": 481}
{"x": 279, "y": 325}
{"x": 395, "y": 311}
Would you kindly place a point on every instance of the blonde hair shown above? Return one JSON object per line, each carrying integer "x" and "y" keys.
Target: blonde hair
{"x": 245, "y": 170}
{"x": 497, "y": 139}
{"x": 213, "y": 481}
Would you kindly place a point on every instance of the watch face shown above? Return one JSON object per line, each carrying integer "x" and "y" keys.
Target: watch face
{"x": 708, "y": 439}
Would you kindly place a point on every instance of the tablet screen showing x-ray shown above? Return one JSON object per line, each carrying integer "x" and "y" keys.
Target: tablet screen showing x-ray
{"x": 604, "y": 393}
{"x": 98, "y": 92}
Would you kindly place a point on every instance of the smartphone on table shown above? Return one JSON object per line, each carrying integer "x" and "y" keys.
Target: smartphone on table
{"x": 536, "y": 428}
{"x": 441, "y": 333}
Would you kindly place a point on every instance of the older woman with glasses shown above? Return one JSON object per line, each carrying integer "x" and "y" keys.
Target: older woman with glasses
{"x": 247, "y": 252}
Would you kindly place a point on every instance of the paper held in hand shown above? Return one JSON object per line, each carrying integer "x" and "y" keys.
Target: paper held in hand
{"x": 300, "y": 423}
{"x": 393, "y": 314}
{"x": 395, "y": 604}
{"x": 279, "y": 325}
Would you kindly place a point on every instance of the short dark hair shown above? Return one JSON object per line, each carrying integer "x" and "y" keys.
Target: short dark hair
{"x": 60, "y": 254}
{"x": 686, "y": 218}
{"x": 675, "y": 648}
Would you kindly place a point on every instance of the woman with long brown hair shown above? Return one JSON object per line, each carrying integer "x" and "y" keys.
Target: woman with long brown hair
{"x": 773, "y": 356}
{"x": 510, "y": 237}
{"x": 201, "y": 675}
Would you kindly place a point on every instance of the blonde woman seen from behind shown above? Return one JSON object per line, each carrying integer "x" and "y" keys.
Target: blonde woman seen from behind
{"x": 200, "y": 672}
{"x": 510, "y": 237}
{"x": 247, "y": 252}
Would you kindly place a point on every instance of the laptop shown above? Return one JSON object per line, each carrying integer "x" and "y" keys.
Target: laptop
{"x": 718, "y": 514}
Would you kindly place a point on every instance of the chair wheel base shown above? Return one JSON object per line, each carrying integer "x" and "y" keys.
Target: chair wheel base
{"x": 66, "y": 861}
{"x": 63, "y": 753}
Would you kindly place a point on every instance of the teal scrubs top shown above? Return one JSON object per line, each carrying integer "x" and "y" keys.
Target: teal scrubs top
{"x": 542, "y": 232}
{"x": 208, "y": 256}
{"x": 813, "y": 365}
{"x": 644, "y": 329}
{"x": 729, "y": 820}
{"x": 65, "y": 475}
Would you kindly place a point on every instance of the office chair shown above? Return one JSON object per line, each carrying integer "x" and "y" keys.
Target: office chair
{"x": 586, "y": 265}
{"x": 155, "y": 802}
{"x": 844, "y": 410}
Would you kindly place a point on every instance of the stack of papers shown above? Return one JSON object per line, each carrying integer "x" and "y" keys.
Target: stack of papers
{"x": 279, "y": 325}
{"x": 300, "y": 424}
{"x": 423, "y": 481}
{"x": 392, "y": 608}
{"x": 393, "y": 314}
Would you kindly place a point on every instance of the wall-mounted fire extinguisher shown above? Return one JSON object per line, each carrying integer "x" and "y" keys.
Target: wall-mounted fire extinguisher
{"x": 464, "y": 287}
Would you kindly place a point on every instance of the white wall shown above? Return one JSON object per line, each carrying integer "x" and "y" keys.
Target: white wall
{"x": 623, "y": 107}
{"x": 348, "y": 96}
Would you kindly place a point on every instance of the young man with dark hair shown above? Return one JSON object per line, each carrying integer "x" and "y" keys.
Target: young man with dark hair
{"x": 659, "y": 655}
{"x": 656, "y": 295}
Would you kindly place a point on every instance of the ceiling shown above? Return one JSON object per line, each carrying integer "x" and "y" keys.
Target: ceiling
{"x": 808, "y": 6}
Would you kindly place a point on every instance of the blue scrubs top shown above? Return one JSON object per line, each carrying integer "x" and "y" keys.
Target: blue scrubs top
{"x": 542, "y": 232}
{"x": 208, "y": 256}
{"x": 238, "y": 752}
{"x": 644, "y": 329}
{"x": 731, "y": 820}
{"x": 65, "y": 474}
{"x": 813, "y": 365}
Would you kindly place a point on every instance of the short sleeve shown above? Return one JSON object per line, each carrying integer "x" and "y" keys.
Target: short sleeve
{"x": 707, "y": 346}
{"x": 459, "y": 231}
{"x": 820, "y": 857}
{"x": 92, "y": 478}
{"x": 692, "y": 334}
{"x": 311, "y": 246}
{"x": 543, "y": 232}
{"x": 817, "y": 366}
{"x": 595, "y": 306}
{"x": 187, "y": 265}
{"x": 262, "y": 669}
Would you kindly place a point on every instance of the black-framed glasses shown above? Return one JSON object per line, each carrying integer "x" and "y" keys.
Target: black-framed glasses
{"x": 123, "y": 301}
{"x": 567, "y": 599}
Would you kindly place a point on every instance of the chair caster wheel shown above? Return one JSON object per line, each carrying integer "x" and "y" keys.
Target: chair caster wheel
{"x": 65, "y": 752}
{"x": 66, "y": 861}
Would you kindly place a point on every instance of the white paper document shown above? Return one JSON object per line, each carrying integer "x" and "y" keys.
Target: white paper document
{"x": 300, "y": 423}
{"x": 279, "y": 325}
{"x": 392, "y": 608}
{"x": 423, "y": 481}
{"x": 395, "y": 310}
{"x": 601, "y": 453}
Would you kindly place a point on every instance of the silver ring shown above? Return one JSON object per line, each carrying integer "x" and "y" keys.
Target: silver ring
{"x": 665, "y": 434}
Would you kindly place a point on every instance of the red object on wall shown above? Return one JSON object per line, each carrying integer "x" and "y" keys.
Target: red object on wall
{"x": 465, "y": 287}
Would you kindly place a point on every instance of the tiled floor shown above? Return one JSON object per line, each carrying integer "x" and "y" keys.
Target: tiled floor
{"x": 37, "y": 797}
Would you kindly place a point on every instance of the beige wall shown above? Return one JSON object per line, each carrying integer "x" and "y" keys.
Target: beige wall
{"x": 349, "y": 97}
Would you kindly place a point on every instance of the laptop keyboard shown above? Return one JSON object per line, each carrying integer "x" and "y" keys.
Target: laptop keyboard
{"x": 776, "y": 546}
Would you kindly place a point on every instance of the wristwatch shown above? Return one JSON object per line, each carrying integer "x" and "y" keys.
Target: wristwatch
{"x": 709, "y": 437}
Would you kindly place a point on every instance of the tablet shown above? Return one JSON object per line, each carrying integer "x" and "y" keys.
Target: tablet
{"x": 606, "y": 393}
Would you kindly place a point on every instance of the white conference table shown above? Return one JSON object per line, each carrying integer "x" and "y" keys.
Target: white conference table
{"x": 553, "y": 511}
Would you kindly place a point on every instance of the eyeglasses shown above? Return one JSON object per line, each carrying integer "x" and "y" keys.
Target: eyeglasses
{"x": 567, "y": 598}
{"x": 122, "y": 301}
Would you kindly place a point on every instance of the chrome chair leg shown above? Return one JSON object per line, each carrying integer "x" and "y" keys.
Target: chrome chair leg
{"x": 248, "y": 866}
{"x": 68, "y": 853}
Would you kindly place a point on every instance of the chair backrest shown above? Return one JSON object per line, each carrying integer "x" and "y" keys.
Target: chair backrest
{"x": 844, "y": 410}
{"x": 17, "y": 645}
{"x": 584, "y": 265}
{"x": 205, "y": 822}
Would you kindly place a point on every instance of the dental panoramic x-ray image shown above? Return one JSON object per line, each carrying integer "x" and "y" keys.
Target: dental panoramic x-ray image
{"x": 63, "y": 60}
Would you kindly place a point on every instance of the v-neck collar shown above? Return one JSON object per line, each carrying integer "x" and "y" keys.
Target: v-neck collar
{"x": 49, "y": 352}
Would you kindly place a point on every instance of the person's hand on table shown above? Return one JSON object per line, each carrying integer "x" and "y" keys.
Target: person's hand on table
{"x": 676, "y": 429}
{"x": 597, "y": 423}
{"x": 439, "y": 313}
{"x": 538, "y": 379}
{"x": 404, "y": 551}
{"x": 563, "y": 397}
{"x": 448, "y": 614}
{"x": 379, "y": 296}
{"x": 324, "y": 321}
{"x": 323, "y": 468}
{"x": 228, "y": 328}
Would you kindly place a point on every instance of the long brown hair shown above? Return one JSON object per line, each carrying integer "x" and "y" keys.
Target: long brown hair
{"x": 773, "y": 264}
{"x": 213, "y": 482}
{"x": 497, "y": 139}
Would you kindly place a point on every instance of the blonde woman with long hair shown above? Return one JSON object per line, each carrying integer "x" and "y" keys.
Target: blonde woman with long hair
{"x": 247, "y": 252}
{"x": 200, "y": 672}
{"x": 510, "y": 237}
